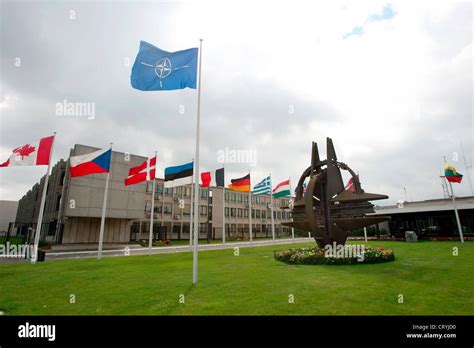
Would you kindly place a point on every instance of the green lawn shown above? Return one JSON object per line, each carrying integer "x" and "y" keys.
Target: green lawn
{"x": 432, "y": 281}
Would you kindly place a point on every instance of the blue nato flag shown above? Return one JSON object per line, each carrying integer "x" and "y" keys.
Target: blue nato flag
{"x": 158, "y": 70}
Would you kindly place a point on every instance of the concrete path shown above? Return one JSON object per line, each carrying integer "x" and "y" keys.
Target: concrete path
{"x": 169, "y": 249}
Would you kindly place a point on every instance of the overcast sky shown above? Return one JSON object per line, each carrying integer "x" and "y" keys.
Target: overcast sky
{"x": 390, "y": 83}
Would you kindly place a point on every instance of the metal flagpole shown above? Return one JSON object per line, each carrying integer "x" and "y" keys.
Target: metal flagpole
{"x": 61, "y": 203}
{"x": 456, "y": 212}
{"x": 43, "y": 201}
{"x": 271, "y": 207}
{"x": 196, "y": 174}
{"x": 365, "y": 234}
{"x": 250, "y": 209}
{"x": 292, "y": 229}
{"x": 152, "y": 202}
{"x": 102, "y": 220}
{"x": 191, "y": 215}
{"x": 467, "y": 169}
{"x": 223, "y": 209}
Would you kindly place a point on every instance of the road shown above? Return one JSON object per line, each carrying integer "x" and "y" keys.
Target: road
{"x": 169, "y": 249}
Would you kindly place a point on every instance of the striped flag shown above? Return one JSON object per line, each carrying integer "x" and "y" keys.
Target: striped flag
{"x": 263, "y": 187}
{"x": 240, "y": 184}
{"x": 451, "y": 174}
{"x": 282, "y": 189}
{"x": 179, "y": 175}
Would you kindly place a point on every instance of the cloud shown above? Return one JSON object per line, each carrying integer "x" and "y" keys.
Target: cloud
{"x": 275, "y": 77}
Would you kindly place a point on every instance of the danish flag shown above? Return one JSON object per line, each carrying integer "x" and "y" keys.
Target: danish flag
{"x": 34, "y": 154}
{"x": 144, "y": 172}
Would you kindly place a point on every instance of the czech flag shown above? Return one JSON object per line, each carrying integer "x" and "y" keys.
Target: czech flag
{"x": 241, "y": 184}
{"x": 92, "y": 163}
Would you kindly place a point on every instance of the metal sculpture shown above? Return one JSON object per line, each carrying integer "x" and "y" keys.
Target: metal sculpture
{"x": 326, "y": 209}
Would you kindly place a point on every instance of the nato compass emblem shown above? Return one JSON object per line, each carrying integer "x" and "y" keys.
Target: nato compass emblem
{"x": 164, "y": 68}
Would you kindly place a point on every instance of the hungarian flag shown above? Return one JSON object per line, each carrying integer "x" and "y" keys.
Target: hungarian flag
{"x": 34, "y": 154}
{"x": 92, "y": 163}
{"x": 350, "y": 184}
{"x": 213, "y": 179}
{"x": 451, "y": 174}
{"x": 144, "y": 172}
{"x": 240, "y": 184}
{"x": 282, "y": 189}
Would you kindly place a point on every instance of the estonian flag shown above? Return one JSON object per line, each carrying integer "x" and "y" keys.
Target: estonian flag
{"x": 179, "y": 175}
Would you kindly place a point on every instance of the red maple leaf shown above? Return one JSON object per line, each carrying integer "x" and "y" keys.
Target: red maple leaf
{"x": 24, "y": 150}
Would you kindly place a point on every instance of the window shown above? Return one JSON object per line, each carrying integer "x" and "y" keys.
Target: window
{"x": 246, "y": 198}
{"x": 246, "y": 213}
{"x": 257, "y": 214}
{"x": 187, "y": 191}
{"x": 167, "y": 208}
{"x": 178, "y": 190}
{"x": 204, "y": 193}
{"x": 239, "y": 198}
{"x": 253, "y": 213}
{"x": 232, "y": 212}
{"x": 168, "y": 191}
{"x": 203, "y": 210}
{"x": 58, "y": 202}
{"x": 279, "y": 215}
{"x": 239, "y": 212}
{"x": 227, "y": 195}
{"x": 232, "y": 197}
{"x": 226, "y": 211}
{"x": 148, "y": 206}
{"x": 159, "y": 189}
{"x": 264, "y": 214}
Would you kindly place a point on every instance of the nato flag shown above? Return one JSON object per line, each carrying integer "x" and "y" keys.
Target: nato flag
{"x": 157, "y": 70}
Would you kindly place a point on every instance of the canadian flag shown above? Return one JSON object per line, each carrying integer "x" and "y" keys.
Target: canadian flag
{"x": 144, "y": 172}
{"x": 34, "y": 154}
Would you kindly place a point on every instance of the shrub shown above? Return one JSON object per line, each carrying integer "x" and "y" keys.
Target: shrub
{"x": 317, "y": 256}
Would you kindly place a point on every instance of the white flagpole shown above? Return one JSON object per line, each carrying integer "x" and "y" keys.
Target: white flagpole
{"x": 250, "y": 209}
{"x": 365, "y": 234}
{"x": 196, "y": 174}
{"x": 271, "y": 207}
{"x": 467, "y": 169}
{"x": 223, "y": 209}
{"x": 291, "y": 197}
{"x": 456, "y": 212}
{"x": 43, "y": 201}
{"x": 191, "y": 208}
{"x": 152, "y": 203}
{"x": 104, "y": 205}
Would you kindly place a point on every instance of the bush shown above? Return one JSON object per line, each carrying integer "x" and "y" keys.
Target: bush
{"x": 317, "y": 256}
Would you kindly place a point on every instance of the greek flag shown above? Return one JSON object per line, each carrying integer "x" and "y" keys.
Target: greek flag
{"x": 263, "y": 187}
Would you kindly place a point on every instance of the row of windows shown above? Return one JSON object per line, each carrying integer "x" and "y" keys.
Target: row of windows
{"x": 229, "y": 195}
{"x": 256, "y": 213}
{"x": 167, "y": 209}
{"x": 203, "y": 226}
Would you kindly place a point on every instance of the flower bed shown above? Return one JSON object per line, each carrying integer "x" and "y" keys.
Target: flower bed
{"x": 344, "y": 256}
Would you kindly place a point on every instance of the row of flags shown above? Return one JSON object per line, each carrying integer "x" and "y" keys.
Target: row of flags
{"x": 97, "y": 162}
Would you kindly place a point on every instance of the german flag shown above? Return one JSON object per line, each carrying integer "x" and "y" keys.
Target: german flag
{"x": 241, "y": 184}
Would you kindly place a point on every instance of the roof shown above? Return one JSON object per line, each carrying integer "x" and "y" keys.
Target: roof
{"x": 444, "y": 204}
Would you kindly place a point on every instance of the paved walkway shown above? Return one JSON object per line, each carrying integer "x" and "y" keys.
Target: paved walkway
{"x": 170, "y": 249}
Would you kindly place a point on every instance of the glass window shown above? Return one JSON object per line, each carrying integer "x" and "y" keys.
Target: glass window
{"x": 168, "y": 191}
{"x": 246, "y": 213}
{"x": 227, "y": 195}
{"x": 239, "y": 212}
{"x": 257, "y": 214}
{"x": 226, "y": 211}
{"x": 232, "y": 212}
{"x": 159, "y": 188}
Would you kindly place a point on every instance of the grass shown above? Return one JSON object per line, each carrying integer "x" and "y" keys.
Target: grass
{"x": 431, "y": 280}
